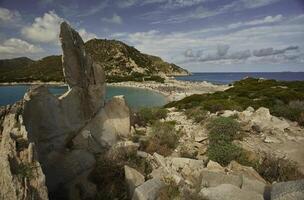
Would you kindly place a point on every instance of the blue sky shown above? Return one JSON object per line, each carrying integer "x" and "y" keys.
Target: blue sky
{"x": 199, "y": 35}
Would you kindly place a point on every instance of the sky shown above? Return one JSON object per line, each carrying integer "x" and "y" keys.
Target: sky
{"x": 198, "y": 35}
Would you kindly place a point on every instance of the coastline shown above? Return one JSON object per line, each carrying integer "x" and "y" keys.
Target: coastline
{"x": 171, "y": 89}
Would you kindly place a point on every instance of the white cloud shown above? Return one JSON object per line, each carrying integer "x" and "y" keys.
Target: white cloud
{"x": 266, "y": 20}
{"x": 115, "y": 19}
{"x": 86, "y": 35}
{"x": 202, "y": 11}
{"x": 16, "y": 47}
{"x": 44, "y": 29}
{"x": 257, "y": 3}
{"x": 9, "y": 16}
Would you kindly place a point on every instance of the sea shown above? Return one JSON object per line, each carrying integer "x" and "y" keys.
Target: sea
{"x": 230, "y": 77}
{"x": 136, "y": 98}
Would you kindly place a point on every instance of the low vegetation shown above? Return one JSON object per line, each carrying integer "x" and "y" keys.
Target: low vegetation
{"x": 171, "y": 190}
{"x": 109, "y": 175}
{"x": 150, "y": 115}
{"x": 198, "y": 114}
{"x": 283, "y": 98}
{"x": 222, "y": 132}
{"x": 25, "y": 170}
{"x": 164, "y": 138}
{"x": 278, "y": 169}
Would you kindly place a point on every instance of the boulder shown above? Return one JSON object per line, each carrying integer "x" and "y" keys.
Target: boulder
{"x": 291, "y": 190}
{"x": 133, "y": 179}
{"x": 262, "y": 120}
{"x": 213, "y": 179}
{"x": 246, "y": 171}
{"x": 149, "y": 190}
{"x": 228, "y": 192}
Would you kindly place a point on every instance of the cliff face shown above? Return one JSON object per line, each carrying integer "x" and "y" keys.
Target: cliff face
{"x": 117, "y": 59}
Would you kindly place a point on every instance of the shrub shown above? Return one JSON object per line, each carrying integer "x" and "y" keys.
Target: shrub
{"x": 166, "y": 133}
{"x": 198, "y": 114}
{"x": 224, "y": 153}
{"x": 278, "y": 169}
{"x": 222, "y": 131}
{"x": 110, "y": 178}
{"x": 223, "y": 128}
{"x": 171, "y": 190}
{"x": 164, "y": 138}
{"x": 149, "y": 115}
{"x": 293, "y": 111}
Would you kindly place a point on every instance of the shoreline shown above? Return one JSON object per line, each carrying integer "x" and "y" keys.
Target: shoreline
{"x": 171, "y": 89}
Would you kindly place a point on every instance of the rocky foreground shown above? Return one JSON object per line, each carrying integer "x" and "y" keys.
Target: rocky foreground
{"x": 79, "y": 147}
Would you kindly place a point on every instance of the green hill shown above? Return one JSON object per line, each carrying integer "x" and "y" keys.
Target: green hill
{"x": 120, "y": 61}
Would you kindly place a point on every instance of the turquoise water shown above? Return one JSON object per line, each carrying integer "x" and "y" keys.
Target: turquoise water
{"x": 135, "y": 97}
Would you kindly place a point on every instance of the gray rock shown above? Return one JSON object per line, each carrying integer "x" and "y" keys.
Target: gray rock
{"x": 149, "y": 190}
{"x": 81, "y": 72}
{"x": 253, "y": 185}
{"x": 228, "y": 192}
{"x": 291, "y": 190}
{"x": 212, "y": 179}
{"x": 133, "y": 179}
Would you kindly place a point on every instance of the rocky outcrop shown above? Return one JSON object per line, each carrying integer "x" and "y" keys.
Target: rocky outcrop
{"x": 60, "y": 135}
{"x": 21, "y": 176}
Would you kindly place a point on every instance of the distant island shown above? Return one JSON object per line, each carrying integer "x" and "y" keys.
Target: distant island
{"x": 120, "y": 62}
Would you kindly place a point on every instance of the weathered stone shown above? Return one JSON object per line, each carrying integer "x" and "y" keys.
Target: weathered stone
{"x": 291, "y": 190}
{"x": 212, "y": 179}
{"x": 149, "y": 190}
{"x": 249, "y": 172}
{"x": 21, "y": 176}
{"x": 215, "y": 167}
{"x": 133, "y": 179}
{"x": 253, "y": 185}
{"x": 81, "y": 72}
{"x": 228, "y": 192}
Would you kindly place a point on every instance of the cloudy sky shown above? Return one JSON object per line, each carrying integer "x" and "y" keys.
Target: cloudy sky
{"x": 200, "y": 35}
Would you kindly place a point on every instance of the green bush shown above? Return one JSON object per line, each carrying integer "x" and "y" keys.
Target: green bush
{"x": 198, "y": 114}
{"x": 223, "y": 129}
{"x": 224, "y": 152}
{"x": 293, "y": 111}
{"x": 149, "y": 115}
